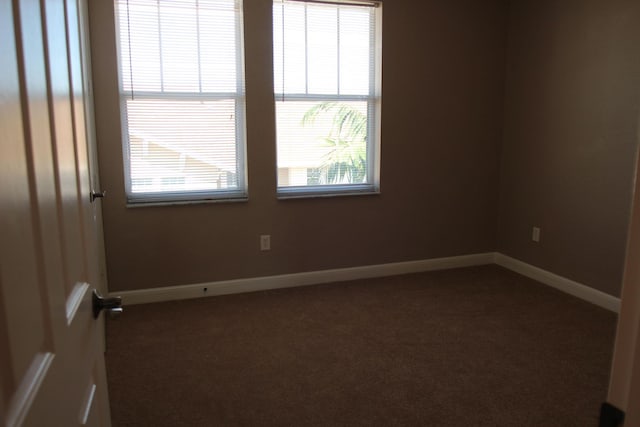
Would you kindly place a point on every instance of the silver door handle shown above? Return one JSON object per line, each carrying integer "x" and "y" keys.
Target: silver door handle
{"x": 113, "y": 305}
{"x": 97, "y": 195}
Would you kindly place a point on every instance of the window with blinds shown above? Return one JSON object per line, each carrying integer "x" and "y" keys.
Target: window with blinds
{"x": 182, "y": 98}
{"x": 327, "y": 61}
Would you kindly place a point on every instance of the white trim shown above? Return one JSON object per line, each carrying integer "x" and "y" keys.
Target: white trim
{"x": 563, "y": 284}
{"x": 170, "y": 293}
{"x": 252, "y": 284}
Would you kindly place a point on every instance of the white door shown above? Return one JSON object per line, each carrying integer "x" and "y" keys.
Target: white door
{"x": 51, "y": 361}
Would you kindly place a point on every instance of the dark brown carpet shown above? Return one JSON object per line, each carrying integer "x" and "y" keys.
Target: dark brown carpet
{"x": 478, "y": 346}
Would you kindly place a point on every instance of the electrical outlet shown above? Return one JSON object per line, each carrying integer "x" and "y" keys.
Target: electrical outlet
{"x": 535, "y": 234}
{"x": 265, "y": 242}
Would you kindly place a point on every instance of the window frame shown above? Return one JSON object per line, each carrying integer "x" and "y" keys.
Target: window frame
{"x": 374, "y": 107}
{"x": 238, "y": 194}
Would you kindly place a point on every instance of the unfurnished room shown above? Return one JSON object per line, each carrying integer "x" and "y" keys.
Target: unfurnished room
{"x": 319, "y": 213}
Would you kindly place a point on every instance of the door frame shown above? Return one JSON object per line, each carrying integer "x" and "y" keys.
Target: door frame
{"x": 624, "y": 385}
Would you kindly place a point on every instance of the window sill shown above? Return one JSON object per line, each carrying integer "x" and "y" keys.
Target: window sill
{"x": 301, "y": 194}
{"x": 149, "y": 204}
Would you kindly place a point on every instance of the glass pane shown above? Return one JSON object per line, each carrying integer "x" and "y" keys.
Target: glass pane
{"x": 355, "y": 50}
{"x": 139, "y": 38}
{"x": 321, "y": 143}
{"x": 179, "y": 43}
{"x": 322, "y": 49}
{"x": 177, "y": 145}
{"x": 289, "y": 52}
{"x": 218, "y": 49}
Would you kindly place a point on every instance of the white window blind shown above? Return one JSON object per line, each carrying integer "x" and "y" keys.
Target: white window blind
{"x": 327, "y": 89}
{"x": 182, "y": 97}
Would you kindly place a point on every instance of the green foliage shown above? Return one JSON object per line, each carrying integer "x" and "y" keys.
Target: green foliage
{"x": 346, "y": 159}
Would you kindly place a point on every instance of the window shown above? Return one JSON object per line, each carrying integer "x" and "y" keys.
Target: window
{"x": 327, "y": 89}
{"x": 182, "y": 99}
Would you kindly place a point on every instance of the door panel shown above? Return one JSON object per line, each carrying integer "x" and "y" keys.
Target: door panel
{"x": 37, "y": 129}
{"x": 51, "y": 363}
{"x": 63, "y": 140}
{"x": 18, "y": 260}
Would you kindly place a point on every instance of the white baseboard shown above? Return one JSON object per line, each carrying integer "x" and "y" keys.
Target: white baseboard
{"x": 198, "y": 290}
{"x": 563, "y": 284}
{"x": 170, "y": 293}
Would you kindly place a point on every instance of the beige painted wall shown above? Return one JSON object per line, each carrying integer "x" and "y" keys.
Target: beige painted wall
{"x": 571, "y": 116}
{"x": 443, "y": 79}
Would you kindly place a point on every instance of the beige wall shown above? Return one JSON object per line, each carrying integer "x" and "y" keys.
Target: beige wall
{"x": 443, "y": 78}
{"x": 570, "y": 131}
